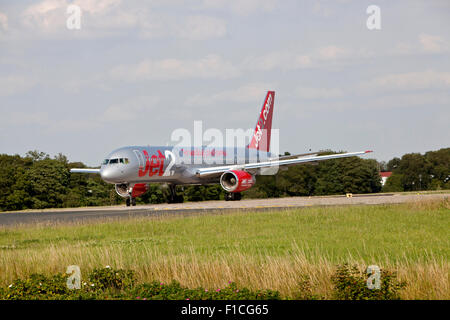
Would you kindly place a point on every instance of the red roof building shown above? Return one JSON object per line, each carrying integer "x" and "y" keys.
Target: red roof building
{"x": 384, "y": 177}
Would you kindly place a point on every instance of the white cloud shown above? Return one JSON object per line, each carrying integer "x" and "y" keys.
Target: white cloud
{"x": 241, "y": 7}
{"x": 270, "y": 61}
{"x": 321, "y": 9}
{"x": 202, "y": 27}
{"x": 247, "y": 93}
{"x": 112, "y": 17}
{"x": 3, "y": 21}
{"x": 409, "y": 100}
{"x": 318, "y": 93}
{"x": 302, "y": 61}
{"x": 29, "y": 118}
{"x": 411, "y": 81}
{"x": 191, "y": 27}
{"x": 390, "y": 102}
{"x": 425, "y": 44}
{"x": 289, "y": 60}
{"x": 403, "y": 48}
{"x": 129, "y": 110}
{"x": 13, "y": 84}
{"x": 211, "y": 66}
{"x": 332, "y": 52}
{"x": 97, "y": 17}
{"x": 20, "y": 118}
{"x": 46, "y": 16}
{"x": 433, "y": 44}
{"x": 97, "y": 6}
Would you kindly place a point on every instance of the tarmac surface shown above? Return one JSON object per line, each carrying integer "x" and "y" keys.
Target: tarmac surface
{"x": 195, "y": 208}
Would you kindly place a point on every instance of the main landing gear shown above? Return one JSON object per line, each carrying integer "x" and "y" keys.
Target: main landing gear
{"x": 233, "y": 196}
{"x": 173, "y": 197}
{"x": 131, "y": 201}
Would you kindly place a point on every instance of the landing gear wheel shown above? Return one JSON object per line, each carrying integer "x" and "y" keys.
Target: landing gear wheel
{"x": 233, "y": 196}
{"x": 179, "y": 199}
{"x": 128, "y": 202}
{"x": 133, "y": 201}
{"x": 174, "y": 198}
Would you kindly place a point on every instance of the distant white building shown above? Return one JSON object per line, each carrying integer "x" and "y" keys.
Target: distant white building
{"x": 384, "y": 177}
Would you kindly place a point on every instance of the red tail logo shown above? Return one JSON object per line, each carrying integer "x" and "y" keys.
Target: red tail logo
{"x": 261, "y": 136}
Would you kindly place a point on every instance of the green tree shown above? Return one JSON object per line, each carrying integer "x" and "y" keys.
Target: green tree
{"x": 439, "y": 162}
{"x": 348, "y": 175}
{"x": 415, "y": 170}
{"x": 47, "y": 182}
{"x": 394, "y": 183}
{"x": 297, "y": 180}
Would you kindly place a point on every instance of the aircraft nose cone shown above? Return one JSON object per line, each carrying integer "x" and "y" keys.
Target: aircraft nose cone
{"x": 108, "y": 174}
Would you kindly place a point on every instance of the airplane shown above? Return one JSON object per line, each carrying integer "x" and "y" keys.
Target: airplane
{"x": 132, "y": 168}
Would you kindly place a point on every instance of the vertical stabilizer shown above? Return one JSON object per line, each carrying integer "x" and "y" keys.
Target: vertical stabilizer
{"x": 261, "y": 136}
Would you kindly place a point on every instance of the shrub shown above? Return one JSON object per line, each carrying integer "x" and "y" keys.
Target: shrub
{"x": 174, "y": 291}
{"x": 305, "y": 290}
{"x": 102, "y": 283}
{"x": 37, "y": 286}
{"x": 351, "y": 284}
{"x": 107, "y": 283}
{"x": 108, "y": 278}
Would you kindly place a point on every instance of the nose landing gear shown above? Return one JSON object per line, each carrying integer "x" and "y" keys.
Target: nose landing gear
{"x": 131, "y": 201}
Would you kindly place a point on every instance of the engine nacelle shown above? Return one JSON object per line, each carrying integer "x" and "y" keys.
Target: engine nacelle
{"x": 137, "y": 190}
{"x": 236, "y": 181}
{"x": 122, "y": 190}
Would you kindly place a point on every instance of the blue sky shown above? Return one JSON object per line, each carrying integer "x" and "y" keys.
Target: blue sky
{"x": 137, "y": 70}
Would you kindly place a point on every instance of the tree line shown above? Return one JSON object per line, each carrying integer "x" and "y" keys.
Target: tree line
{"x": 414, "y": 171}
{"x": 37, "y": 181}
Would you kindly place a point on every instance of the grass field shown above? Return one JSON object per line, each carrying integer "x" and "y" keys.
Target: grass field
{"x": 273, "y": 249}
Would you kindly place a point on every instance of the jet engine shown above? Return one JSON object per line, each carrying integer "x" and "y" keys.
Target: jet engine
{"x": 237, "y": 181}
{"x": 137, "y": 190}
{"x": 122, "y": 190}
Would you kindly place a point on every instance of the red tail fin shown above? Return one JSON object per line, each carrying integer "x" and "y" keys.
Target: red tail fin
{"x": 261, "y": 136}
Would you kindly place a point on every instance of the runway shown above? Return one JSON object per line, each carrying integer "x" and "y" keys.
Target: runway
{"x": 192, "y": 208}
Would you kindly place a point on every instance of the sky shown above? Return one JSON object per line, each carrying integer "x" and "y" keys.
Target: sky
{"x": 135, "y": 71}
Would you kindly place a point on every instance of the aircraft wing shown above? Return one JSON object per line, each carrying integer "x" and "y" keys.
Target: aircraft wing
{"x": 84, "y": 170}
{"x": 211, "y": 171}
{"x": 294, "y": 156}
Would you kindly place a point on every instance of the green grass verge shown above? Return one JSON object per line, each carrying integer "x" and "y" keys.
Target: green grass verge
{"x": 273, "y": 249}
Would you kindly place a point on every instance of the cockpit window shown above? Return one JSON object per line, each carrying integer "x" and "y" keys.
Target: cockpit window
{"x": 117, "y": 160}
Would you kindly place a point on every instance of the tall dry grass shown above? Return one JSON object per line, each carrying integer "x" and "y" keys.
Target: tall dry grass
{"x": 429, "y": 204}
{"x": 426, "y": 280}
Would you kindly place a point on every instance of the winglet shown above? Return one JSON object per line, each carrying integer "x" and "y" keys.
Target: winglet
{"x": 369, "y": 151}
{"x": 261, "y": 135}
